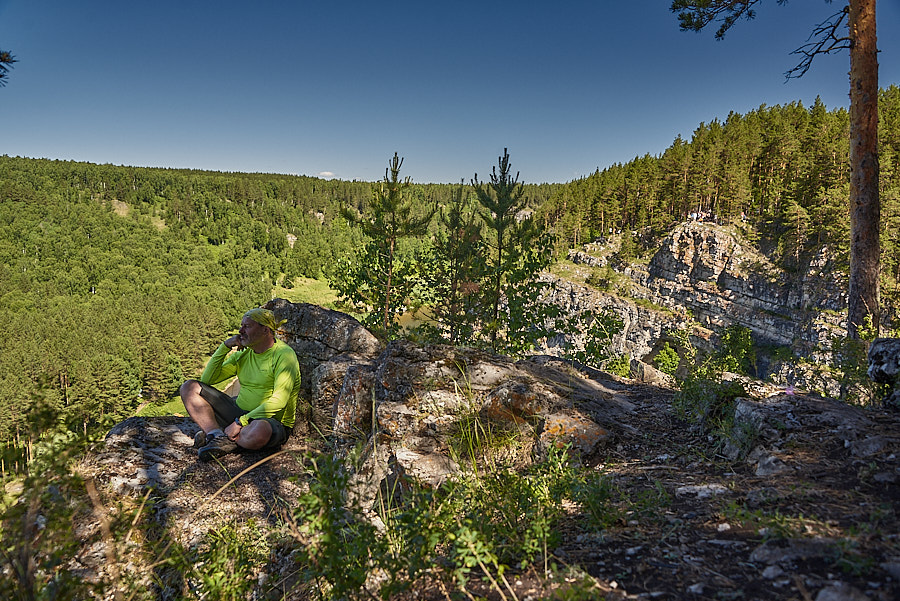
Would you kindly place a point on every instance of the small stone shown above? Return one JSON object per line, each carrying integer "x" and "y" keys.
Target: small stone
{"x": 696, "y": 589}
{"x": 885, "y": 477}
{"x": 892, "y": 568}
{"x": 770, "y": 466}
{"x": 868, "y": 447}
{"x": 841, "y": 591}
{"x": 772, "y": 572}
{"x": 702, "y": 491}
{"x": 14, "y": 488}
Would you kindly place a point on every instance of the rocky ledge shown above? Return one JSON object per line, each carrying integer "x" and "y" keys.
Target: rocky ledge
{"x": 804, "y": 506}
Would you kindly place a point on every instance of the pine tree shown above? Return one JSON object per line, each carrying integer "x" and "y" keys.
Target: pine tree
{"x": 501, "y": 200}
{"x": 455, "y": 267}
{"x": 865, "y": 216}
{"x": 6, "y": 63}
{"x": 392, "y": 215}
{"x": 516, "y": 252}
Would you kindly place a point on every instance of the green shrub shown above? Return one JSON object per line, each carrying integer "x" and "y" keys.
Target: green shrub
{"x": 225, "y": 565}
{"x": 477, "y": 524}
{"x": 850, "y": 365}
{"x": 736, "y": 353}
{"x": 600, "y": 328}
{"x": 667, "y": 359}
{"x": 335, "y": 546}
{"x": 709, "y": 403}
{"x": 619, "y": 365}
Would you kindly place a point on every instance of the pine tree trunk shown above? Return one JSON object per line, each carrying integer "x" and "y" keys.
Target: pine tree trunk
{"x": 865, "y": 212}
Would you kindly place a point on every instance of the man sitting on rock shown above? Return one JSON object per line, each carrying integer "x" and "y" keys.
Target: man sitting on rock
{"x": 262, "y": 415}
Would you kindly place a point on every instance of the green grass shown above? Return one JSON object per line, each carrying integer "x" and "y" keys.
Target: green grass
{"x": 173, "y": 407}
{"x": 307, "y": 290}
{"x": 651, "y": 306}
{"x": 566, "y": 269}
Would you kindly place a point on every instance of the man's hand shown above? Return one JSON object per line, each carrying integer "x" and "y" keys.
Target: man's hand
{"x": 233, "y": 431}
{"x": 233, "y": 342}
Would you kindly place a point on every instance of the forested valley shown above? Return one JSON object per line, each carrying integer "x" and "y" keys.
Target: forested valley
{"x": 117, "y": 282}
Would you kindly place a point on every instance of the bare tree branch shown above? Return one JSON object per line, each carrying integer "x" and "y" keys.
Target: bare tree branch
{"x": 825, "y": 40}
{"x": 694, "y": 15}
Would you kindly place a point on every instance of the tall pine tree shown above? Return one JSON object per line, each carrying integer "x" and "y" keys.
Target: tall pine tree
{"x": 391, "y": 216}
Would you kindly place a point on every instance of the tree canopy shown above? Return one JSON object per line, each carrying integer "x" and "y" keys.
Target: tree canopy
{"x": 6, "y": 63}
{"x": 865, "y": 208}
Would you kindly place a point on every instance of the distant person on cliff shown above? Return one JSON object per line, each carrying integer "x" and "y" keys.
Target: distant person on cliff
{"x": 262, "y": 415}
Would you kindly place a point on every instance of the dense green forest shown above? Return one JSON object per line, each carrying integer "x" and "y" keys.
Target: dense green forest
{"x": 783, "y": 170}
{"x": 117, "y": 282}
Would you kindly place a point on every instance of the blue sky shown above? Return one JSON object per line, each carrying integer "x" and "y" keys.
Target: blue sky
{"x": 335, "y": 88}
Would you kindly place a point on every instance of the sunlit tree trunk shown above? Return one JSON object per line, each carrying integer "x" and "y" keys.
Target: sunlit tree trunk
{"x": 865, "y": 213}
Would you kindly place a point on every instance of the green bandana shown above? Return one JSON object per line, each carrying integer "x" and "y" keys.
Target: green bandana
{"x": 264, "y": 317}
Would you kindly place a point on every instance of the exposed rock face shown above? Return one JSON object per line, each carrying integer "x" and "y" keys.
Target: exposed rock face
{"x": 884, "y": 367}
{"x": 704, "y": 268}
{"x": 407, "y": 406}
{"x": 642, "y": 327}
{"x": 403, "y": 403}
{"x": 703, "y": 277}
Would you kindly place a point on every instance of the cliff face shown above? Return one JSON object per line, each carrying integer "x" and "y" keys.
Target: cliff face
{"x": 703, "y": 273}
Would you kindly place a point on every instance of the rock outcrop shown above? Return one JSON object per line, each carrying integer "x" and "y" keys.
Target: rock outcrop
{"x": 403, "y": 404}
{"x": 703, "y": 278}
{"x": 884, "y": 368}
{"x": 705, "y": 269}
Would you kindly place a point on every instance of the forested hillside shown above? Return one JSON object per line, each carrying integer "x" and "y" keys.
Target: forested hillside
{"x": 117, "y": 282}
{"x": 782, "y": 170}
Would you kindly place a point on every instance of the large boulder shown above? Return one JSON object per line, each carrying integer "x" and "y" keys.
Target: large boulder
{"x": 884, "y": 367}
{"x": 411, "y": 405}
{"x": 327, "y": 343}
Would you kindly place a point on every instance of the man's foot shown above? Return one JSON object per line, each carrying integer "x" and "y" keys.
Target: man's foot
{"x": 216, "y": 446}
{"x": 200, "y": 439}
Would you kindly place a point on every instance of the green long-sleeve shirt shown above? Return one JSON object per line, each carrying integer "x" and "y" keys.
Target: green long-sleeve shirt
{"x": 270, "y": 381}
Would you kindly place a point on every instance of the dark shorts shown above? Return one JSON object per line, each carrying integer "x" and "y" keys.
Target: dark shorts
{"x": 227, "y": 410}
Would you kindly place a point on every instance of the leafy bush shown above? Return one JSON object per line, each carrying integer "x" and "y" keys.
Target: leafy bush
{"x": 619, "y": 365}
{"x": 849, "y": 360}
{"x": 667, "y": 359}
{"x": 226, "y": 564}
{"x": 479, "y": 523}
{"x": 335, "y": 546}
{"x": 600, "y": 328}
{"x": 37, "y": 535}
{"x": 736, "y": 352}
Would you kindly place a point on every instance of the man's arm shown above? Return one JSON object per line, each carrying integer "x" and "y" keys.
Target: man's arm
{"x": 218, "y": 369}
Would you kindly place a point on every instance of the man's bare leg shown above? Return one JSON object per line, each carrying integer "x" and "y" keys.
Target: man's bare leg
{"x": 200, "y": 411}
{"x": 255, "y": 435}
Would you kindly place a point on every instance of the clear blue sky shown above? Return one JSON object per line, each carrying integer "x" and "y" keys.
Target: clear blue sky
{"x": 334, "y": 88}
